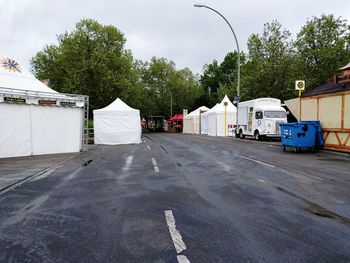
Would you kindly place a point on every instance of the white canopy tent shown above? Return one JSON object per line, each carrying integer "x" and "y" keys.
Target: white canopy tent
{"x": 204, "y": 123}
{"x": 212, "y": 120}
{"x": 216, "y": 118}
{"x": 35, "y": 119}
{"x": 204, "y": 120}
{"x": 117, "y": 124}
{"x": 191, "y": 122}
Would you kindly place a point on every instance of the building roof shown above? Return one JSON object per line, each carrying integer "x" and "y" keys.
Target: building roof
{"x": 330, "y": 87}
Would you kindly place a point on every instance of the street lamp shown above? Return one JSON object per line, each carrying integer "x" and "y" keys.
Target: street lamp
{"x": 171, "y": 103}
{"x": 171, "y": 96}
{"x": 238, "y": 60}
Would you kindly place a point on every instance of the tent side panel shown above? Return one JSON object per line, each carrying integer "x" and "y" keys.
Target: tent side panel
{"x": 188, "y": 125}
{"x": 15, "y": 130}
{"x": 230, "y": 119}
{"x": 56, "y": 129}
{"x": 196, "y": 124}
{"x": 204, "y": 124}
{"x": 212, "y": 124}
{"x": 117, "y": 128}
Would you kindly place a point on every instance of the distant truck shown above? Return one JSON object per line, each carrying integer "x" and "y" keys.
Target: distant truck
{"x": 260, "y": 118}
{"x": 155, "y": 123}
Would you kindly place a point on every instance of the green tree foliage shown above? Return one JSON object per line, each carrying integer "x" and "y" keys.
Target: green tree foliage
{"x": 323, "y": 46}
{"x": 275, "y": 61}
{"x": 160, "y": 79}
{"x": 219, "y": 80}
{"x": 90, "y": 60}
{"x": 269, "y": 71}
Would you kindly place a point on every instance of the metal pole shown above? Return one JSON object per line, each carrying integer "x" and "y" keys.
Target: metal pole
{"x": 225, "y": 128}
{"x": 171, "y": 105}
{"x": 238, "y": 60}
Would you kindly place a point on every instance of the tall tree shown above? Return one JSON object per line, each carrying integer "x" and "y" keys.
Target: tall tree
{"x": 323, "y": 46}
{"x": 218, "y": 80}
{"x": 90, "y": 60}
{"x": 161, "y": 81}
{"x": 269, "y": 70}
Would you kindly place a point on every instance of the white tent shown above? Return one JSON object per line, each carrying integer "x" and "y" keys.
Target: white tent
{"x": 34, "y": 119}
{"x": 204, "y": 123}
{"x": 117, "y": 124}
{"x": 216, "y": 118}
{"x": 191, "y": 123}
{"x": 204, "y": 120}
{"x": 212, "y": 120}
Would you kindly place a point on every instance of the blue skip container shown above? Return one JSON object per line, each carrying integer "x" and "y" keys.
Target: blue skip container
{"x": 305, "y": 134}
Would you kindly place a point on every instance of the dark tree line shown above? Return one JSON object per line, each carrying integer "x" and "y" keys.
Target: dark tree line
{"x": 274, "y": 60}
{"x": 92, "y": 60}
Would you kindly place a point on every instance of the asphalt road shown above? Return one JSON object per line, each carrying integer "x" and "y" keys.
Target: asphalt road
{"x": 182, "y": 198}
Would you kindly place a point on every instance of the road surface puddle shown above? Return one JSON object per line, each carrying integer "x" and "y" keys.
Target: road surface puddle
{"x": 323, "y": 212}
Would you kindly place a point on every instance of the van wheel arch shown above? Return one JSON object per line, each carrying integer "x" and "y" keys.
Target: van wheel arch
{"x": 257, "y": 135}
{"x": 241, "y": 135}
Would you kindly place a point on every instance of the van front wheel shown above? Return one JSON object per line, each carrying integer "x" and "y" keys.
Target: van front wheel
{"x": 241, "y": 135}
{"x": 257, "y": 136}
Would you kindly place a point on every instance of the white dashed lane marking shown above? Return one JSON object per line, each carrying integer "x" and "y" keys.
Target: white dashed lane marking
{"x": 148, "y": 147}
{"x": 128, "y": 163}
{"x": 257, "y": 161}
{"x": 182, "y": 259}
{"x": 176, "y": 237}
{"x": 155, "y": 165}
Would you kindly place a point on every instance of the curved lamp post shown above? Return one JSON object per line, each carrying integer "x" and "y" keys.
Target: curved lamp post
{"x": 171, "y": 103}
{"x": 171, "y": 96}
{"x": 238, "y": 60}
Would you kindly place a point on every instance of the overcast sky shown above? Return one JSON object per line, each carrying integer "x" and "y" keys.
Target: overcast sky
{"x": 173, "y": 29}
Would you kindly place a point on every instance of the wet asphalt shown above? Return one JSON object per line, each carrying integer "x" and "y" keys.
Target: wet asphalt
{"x": 233, "y": 201}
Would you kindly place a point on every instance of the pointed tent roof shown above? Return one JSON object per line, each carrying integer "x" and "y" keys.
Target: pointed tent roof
{"x": 14, "y": 76}
{"x": 117, "y": 105}
{"x": 220, "y": 107}
{"x": 229, "y": 107}
{"x": 213, "y": 109}
{"x": 178, "y": 117}
{"x": 345, "y": 67}
{"x": 196, "y": 111}
{"x": 173, "y": 118}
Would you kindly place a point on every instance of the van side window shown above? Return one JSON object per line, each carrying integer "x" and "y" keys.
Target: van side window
{"x": 258, "y": 115}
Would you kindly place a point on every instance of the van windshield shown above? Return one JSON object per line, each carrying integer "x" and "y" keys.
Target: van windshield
{"x": 274, "y": 114}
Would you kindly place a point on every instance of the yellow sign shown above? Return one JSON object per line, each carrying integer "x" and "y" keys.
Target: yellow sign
{"x": 300, "y": 85}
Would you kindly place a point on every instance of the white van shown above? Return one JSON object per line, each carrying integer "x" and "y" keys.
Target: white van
{"x": 260, "y": 118}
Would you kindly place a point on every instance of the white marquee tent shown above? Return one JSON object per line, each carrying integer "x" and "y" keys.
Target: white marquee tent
{"x": 216, "y": 118}
{"x": 204, "y": 123}
{"x": 35, "y": 119}
{"x": 204, "y": 120}
{"x": 117, "y": 124}
{"x": 191, "y": 122}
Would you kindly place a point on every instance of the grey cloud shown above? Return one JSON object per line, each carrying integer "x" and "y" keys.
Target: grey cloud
{"x": 172, "y": 29}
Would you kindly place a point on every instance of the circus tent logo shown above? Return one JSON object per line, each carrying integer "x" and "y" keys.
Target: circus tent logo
{"x": 10, "y": 65}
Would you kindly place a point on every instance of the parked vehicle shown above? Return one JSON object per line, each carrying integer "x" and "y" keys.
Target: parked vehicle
{"x": 260, "y": 118}
{"x": 155, "y": 123}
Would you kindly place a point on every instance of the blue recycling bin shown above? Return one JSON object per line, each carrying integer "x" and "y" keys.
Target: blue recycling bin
{"x": 301, "y": 135}
{"x": 319, "y": 134}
